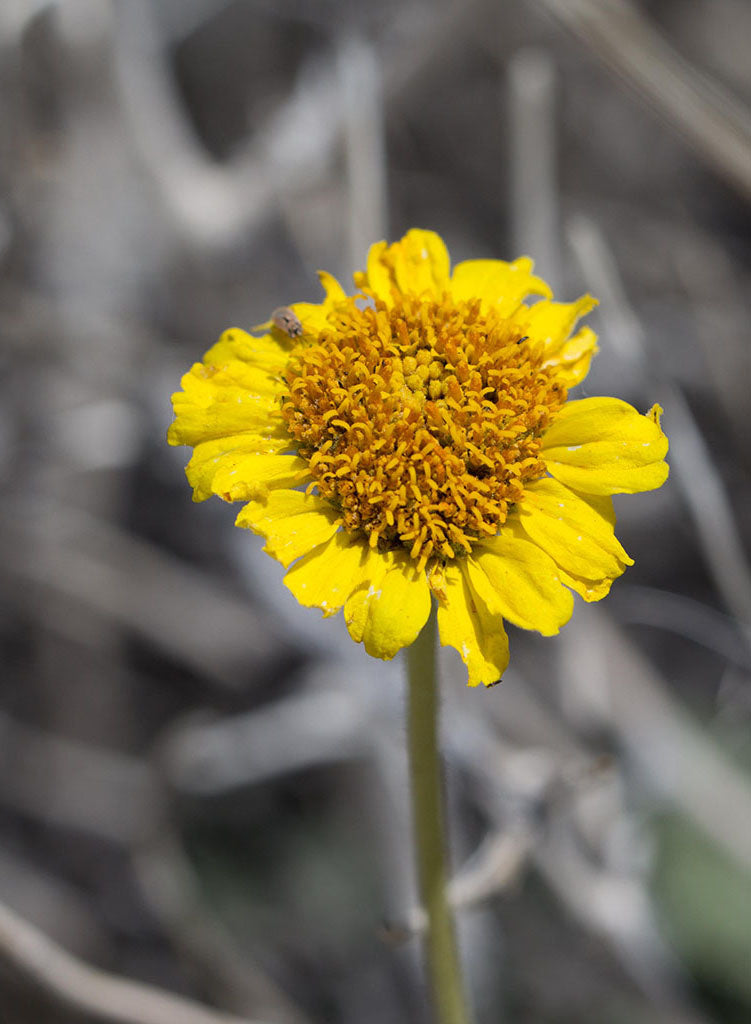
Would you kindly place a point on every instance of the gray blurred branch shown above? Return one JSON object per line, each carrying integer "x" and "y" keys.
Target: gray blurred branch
{"x": 715, "y": 122}
{"x": 212, "y": 758}
{"x": 67, "y": 554}
{"x": 534, "y": 193}
{"x": 610, "y": 684}
{"x": 73, "y": 784}
{"x": 216, "y": 205}
{"x": 359, "y": 72}
{"x": 694, "y": 468}
{"x": 661, "y": 609}
{"x": 94, "y": 993}
{"x": 168, "y": 882}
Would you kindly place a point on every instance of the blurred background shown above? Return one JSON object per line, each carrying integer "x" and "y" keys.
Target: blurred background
{"x": 202, "y": 785}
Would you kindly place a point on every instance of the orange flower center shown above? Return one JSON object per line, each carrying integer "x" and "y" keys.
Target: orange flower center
{"x": 421, "y": 423}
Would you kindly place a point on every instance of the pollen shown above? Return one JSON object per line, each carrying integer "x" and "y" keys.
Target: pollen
{"x": 421, "y": 421}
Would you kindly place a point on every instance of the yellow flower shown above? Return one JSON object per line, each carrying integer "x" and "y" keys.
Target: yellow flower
{"x": 416, "y": 439}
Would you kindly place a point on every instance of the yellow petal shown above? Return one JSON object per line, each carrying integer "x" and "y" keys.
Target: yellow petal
{"x": 265, "y": 352}
{"x": 225, "y": 452}
{"x": 520, "y": 582}
{"x": 576, "y": 532}
{"x": 390, "y": 607}
{"x": 218, "y": 402}
{"x": 500, "y": 285}
{"x": 326, "y": 576}
{"x": 552, "y": 322}
{"x": 292, "y": 522}
{"x": 604, "y": 446}
{"x": 601, "y": 504}
{"x": 251, "y": 477}
{"x": 589, "y": 589}
{"x": 465, "y": 623}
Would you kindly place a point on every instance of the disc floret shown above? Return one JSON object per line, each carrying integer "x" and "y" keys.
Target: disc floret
{"x": 421, "y": 420}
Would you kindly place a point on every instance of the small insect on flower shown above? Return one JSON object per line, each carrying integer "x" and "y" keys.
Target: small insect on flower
{"x": 285, "y": 320}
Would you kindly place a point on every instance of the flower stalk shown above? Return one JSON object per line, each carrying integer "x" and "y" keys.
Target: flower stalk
{"x": 443, "y": 967}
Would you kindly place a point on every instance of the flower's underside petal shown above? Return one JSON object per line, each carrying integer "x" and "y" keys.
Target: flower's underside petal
{"x": 520, "y": 582}
{"x": 252, "y": 477}
{"x": 334, "y": 291}
{"x": 590, "y": 590}
{"x": 465, "y": 623}
{"x": 421, "y": 263}
{"x": 357, "y": 606}
{"x": 604, "y": 446}
{"x": 388, "y": 610}
{"x": 265, "y": 353}
{"x": 314, "y": 316}
{"x": 418, "y": 264}
{"x": 499, "y": 285}
{"x": 292, "y": 522}
{"x": 574, "y": 358}
{"x": 576, "y": 531}
{"x": 378, "y": 276}
{"x": 326, "y": 576}
{"x": 218, "y": 402}
{"x": 225, "y": 453}
{"x": 552, "y": 322}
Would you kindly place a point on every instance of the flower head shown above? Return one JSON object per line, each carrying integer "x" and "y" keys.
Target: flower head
{"x": 416, "y": 439}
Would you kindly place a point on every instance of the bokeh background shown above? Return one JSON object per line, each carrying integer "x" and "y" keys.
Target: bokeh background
{"x": 202, "y": 786}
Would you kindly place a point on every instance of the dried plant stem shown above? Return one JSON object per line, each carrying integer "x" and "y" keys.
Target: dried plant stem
{"x": 444, "y": 972}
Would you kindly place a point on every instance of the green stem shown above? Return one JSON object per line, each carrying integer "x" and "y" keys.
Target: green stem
{"x": 427, "y": 808}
